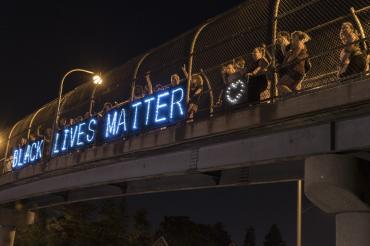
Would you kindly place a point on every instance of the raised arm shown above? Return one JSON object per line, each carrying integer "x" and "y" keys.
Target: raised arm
{"x": 297, "y": 54}
{"x": 183, "y": 68}
{"x": 149, "y": 83}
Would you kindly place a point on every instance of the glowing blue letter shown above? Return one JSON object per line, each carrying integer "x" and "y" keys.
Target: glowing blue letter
{"x": 73, "y": 135}
{"x": 178, "y": 102}
{"x": 19, "y": 164}
{"x": 136, "y": 106}
{"x": 66, "y": 131}
{"x": 39, "y": 146}
{"x": 55, "y": 148}
{"x": 33, "y": 147}
{"x": 15, "y": 158}
{"x": 80, "y": 133}
{"x": 148, "y": 102}
{"x": 26, "y": 157}
{"x": 110, "y": 126}
{"x": 159, "y": 106}
{"x": 121, "y": 121}
{"x": 88, "y": 138}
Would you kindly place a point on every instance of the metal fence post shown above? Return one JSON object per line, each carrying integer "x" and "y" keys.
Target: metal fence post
{"x": 191, "y": 57}
{"x": 134, "y": 78}
{"x": 273, "y": 91}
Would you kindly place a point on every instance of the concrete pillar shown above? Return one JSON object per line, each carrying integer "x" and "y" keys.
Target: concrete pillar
{"x": 352, "y": 229}
{"x": 9, "y": 220}
{"x": 7, "y": 235}
{"x": 335, "y": 184}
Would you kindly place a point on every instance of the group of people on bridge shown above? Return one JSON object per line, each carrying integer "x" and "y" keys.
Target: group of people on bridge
{"x": 291, "y": 64}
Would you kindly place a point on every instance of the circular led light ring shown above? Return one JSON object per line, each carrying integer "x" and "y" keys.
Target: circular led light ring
{"x": 236, "y": 85}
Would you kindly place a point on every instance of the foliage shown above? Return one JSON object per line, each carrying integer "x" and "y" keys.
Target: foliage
{"x": 181, "y": 231}
{"x": 273, "y": 237}
{"x": 250, "y": 237}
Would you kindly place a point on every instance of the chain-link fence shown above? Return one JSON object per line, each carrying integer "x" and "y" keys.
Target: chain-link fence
{"x": 212, "y": 53}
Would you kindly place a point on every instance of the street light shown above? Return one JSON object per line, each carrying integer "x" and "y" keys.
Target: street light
{"x": 96, "y": 79}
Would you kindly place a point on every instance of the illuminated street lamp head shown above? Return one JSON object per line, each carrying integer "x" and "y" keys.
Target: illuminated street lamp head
{"x": 97, "y": 79}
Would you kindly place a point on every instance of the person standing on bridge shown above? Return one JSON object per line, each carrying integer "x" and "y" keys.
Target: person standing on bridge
{"x": 295, "y": 62}
{"x": 282, "y": 48}
{"x": 196, "y": 91}
{"x": 353, "y": 58}
{"x": 257, "y": 75}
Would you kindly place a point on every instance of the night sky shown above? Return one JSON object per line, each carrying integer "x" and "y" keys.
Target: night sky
{"x": 41, "y": 40}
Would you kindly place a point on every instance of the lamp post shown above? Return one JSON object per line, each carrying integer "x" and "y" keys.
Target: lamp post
{"x": 97, "y": 80}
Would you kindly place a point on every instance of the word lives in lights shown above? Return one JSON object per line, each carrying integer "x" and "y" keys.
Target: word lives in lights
{"x": 28, "y": 154}
{"x": 75, "y": 137}
{"x": 160, "y": 109}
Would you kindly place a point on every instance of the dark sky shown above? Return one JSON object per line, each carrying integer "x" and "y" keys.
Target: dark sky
{"x": 240, "y": 207}
{"x": 41, "y": 40}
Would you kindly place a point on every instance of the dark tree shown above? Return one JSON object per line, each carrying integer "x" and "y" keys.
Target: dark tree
{"x": 181, "y": 231}
{"x": 111, "y": 223}
{"x": 141, "y": 233}
{"x": 221, "y": 236}
{"x": 32, "y": 235}
{"x": 250, "y": 237}
{"x": 81, "y": 224}
{"x": 71, "y": 226}
{"x": 273, "y": 237}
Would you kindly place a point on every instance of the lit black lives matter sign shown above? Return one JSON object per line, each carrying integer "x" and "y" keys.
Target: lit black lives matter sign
{"x": 163, "y": 108}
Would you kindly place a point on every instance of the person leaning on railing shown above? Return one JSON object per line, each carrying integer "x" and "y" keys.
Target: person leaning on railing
{"x": 174, "y": 81}
{"x": 62, "y": 123}
{"x": 196, "y": 90}
{"x": 295, "y": 62}
{"x": 257, "y": 75}
{"x": 282, "y": 48}
{"x": 240, "y": 63}
{"x": 106, "y": 107}
{"x": 48, "y": 141}
{"x": 353, "y": 57}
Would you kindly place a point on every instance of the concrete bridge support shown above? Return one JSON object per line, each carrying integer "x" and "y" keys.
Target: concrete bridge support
{"x": 336, "y": 184}
{"x": 7, "y": 235}
{"x": 9, "y": 220}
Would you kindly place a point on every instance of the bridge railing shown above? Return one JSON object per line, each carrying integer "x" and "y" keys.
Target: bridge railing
{"x": 207, "y": 49}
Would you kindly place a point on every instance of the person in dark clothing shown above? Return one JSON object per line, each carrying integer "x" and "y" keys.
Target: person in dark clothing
{"x": 106, "y": 107}
{"x": 281, "y": 50}
{"x": 196, "y": 90}
{"x": 175, "y": 79}
{"x": 295, "y": 63}
{"x": 230, "y": 72}
{"x": 62, "y": 123}
{"x": 353, "y": 57}
{"x": 257, "y": 75}
{"x": 239, "y": 63}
